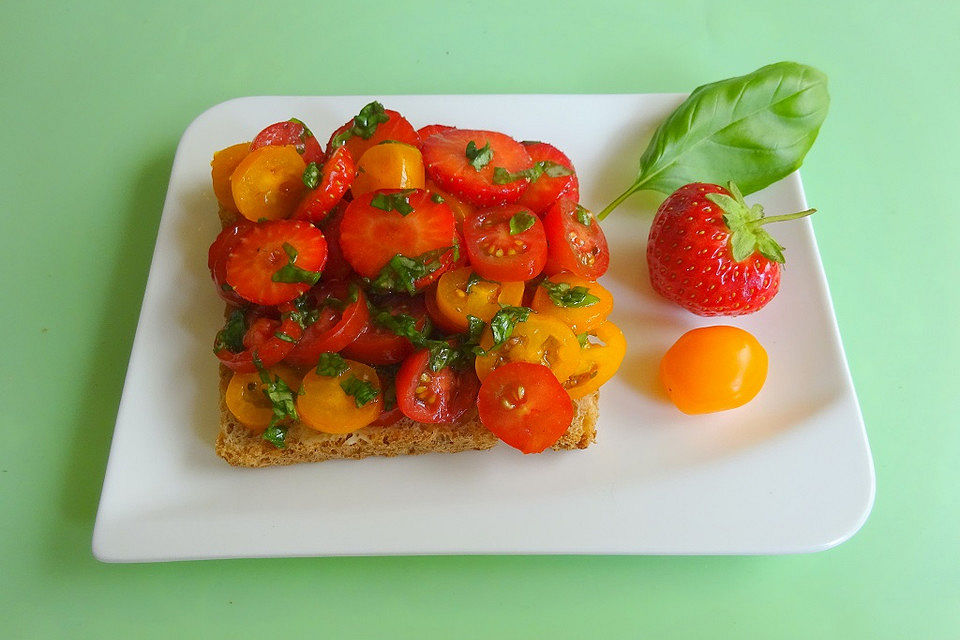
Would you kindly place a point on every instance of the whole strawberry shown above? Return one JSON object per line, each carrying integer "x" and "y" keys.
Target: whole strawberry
{"x": 708, "y": 252}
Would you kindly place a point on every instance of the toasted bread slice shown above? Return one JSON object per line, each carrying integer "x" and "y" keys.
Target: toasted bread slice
{"x": 238, "y": 446}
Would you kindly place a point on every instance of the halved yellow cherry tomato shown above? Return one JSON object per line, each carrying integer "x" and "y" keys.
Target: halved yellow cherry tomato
{"x": 483, "y": 300}
{"x": 557, "y": 296}
{"x": 388, "y": 165}
{"x": 246, "y": 400}
{"x": 222, "y": 167}
{"x": 713, "y": 369}
{"x": 326, "y": 406}
{"x": 268, "y": 183}
{"x": 600, "y": 357}
{"x": 539, "y": 339}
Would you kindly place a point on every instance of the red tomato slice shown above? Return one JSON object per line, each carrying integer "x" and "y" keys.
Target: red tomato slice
{"x": 574, "y": 246}
{"x": 447, "y": 158}
{"x": 337, "y": 267}
{"x": 370, "y": 235}
{"x": 291, "y": 132}
{"x": 338, "y": 323}
{"x": 336, "y": 176}
{"x": 434, "y": 396}
{"x": 391, "y": 409}
{"x": 495, "y": 252}
{"x": 380, "y": 345}
{"x": 351, "y": 134}
{"x": 524, "y": 405}
{"x": 546, "y": 190}
{"x": 217, "y": 258}
{"x": 266, "y": 338}
{"x": 276, "y": 261}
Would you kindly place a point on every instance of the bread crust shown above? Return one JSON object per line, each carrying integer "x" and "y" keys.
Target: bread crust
{"x": 241, "y": 448}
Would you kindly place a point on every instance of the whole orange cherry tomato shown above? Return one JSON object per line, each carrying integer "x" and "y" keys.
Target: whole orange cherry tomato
{"x": 713, "y": 369}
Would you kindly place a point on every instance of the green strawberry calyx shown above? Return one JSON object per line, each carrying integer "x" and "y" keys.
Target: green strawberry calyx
{"x": 747, "y": 234}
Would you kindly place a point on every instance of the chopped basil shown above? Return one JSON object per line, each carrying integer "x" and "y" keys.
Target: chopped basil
{"x": 276, "y": 435}
{"x": 401, "y": 273}
{"x": 479, "y": 158}
{"x": 534, "y": 173}
{"x": 402, "y": 324}
{"x": 226, "y": 287}
{"x": 521, "y": 221}
{"x": 364, "y": 124}
{"x": 290, "y": 272}
{"x": 362, "y": 391}
{"x": 304, "y": 313}
{"x": 583, "y": 339}
{"x": 399, "y": 202}
{"x": 436, "y": 197}
{"x": 474, "y": 328}
{"x": 231, "y": 336}
{"x": 564, "y": 295}
{"x": 473, "y": 280}
{"x": 311, "y": 175}
{"x": 504, "y": 321}
{"x": 306, "y": 133}
{"x": 331, "y": 364}
{"x": 583, "y": 216}
{"x": 286, "y": 337}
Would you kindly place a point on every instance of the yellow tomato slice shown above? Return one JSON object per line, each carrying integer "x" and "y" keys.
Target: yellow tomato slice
{"x": 268, "y": 183}
{"x": 246, "y": 400}
{"x": 389, "y": 165}
{"x": 538, "y": 339}
{"x": 324, "y": 404}
{"x": 566, "y": 305}
{"x": 600, "y": 357}
{"x": 483, "y": 300}
{"x": 222, "y": 166}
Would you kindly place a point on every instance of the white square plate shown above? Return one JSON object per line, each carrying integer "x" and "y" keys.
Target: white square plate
{"x": 789, "y": 472}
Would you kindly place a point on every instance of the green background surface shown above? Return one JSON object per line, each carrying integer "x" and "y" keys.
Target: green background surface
{"x": 95, "y": 96}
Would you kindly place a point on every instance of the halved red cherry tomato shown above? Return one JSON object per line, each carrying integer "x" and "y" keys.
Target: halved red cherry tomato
{"x": 380, "y": 345}
{"x": 217, "y": 258}
{"x": 370, "y": 127}
{"x": 276, "y": 261}
{"x": 496, "y": 252}
{"x": 460, "y": 162}
{"x": 336, "y": 176}
{"x": 337, "y": 267}
{"x": 338, "y": 322}
{"x": 524, "y": 405}
{"x": 327, "y": 404}
{"x": 431, "y": 396}
{"x": 266, "y": 339}
{"x": 291, "y": 132}
{"x": 391, "y": 409}
{"x": 546, "y": 190}
{"x": 430, "y": 129}
{"x": 373, "y": 230}
{"x": 576, "y": 241}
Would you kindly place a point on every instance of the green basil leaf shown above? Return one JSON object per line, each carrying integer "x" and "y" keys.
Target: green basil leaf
{"x": 563, "y": 295}
{"x": 311, "y": 175}
{"x": 306, "y": 133}
{"x": 399, "y": 202}
{"x": 474, "y": 328}
{"x": 504, "y": 321}
{"x": 534, "y": 173}
{"x": 521, "y": 221}
{"x": 331, "y": 365}
{"x": 583, "y": 339}
{"x": 753, "y": 129}
{"x": 583, "y": 216}
{"x": 401, "y": 273}
{"x": 362, "y": 391}
{"x": 231, "y": 336}
{"x": 436, "y": 197}
{"x": 479, "y": 158}
{"x": 277, "y": 435}
{"x": 290, "y": 272}
{"x": 286, "y": 337}
{"x": 364, "y": 124}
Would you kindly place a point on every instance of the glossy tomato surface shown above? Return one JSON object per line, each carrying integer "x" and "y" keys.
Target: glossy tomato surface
{"x": 429, "y": 396}
{"x": 506, "y": 243}
{"x": 576, "y": 241}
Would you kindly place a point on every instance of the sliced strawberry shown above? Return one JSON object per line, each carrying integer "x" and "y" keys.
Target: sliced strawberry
{"x": 276, "y": 261}
{"x": 430, "y": 129}
{"x": 461, "y": 162}
{"x": 378, "y": 226}
{"x": 332, "y": 181}
{"x": 547, "y": 188}
{"x": 291, "y": 132}
{"x": 370, "y": 127}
